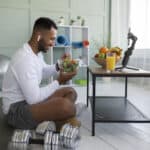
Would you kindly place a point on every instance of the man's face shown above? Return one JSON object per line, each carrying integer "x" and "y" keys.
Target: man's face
{"x": 47, "y": 40}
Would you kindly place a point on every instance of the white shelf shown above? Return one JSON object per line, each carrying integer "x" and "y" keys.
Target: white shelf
{"x": 63, "y": 26}
{"x": 62, "y": 46}
{"x": 72, "y": 34}
{"x": 80, "y": 27}
{"x": 72, "y": 26}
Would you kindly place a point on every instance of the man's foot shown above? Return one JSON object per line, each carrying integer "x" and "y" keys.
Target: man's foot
{"x": 72, "y": 121}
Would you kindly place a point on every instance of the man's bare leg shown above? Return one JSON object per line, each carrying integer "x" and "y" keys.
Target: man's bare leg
{"x": 70, "y": 93}
{"x": 56, "y": 109}
{"x": 66, "y": 92}
{"x": 59, "y": 106}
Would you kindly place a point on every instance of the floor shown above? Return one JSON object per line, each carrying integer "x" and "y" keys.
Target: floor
{"x": 109, "y": 136}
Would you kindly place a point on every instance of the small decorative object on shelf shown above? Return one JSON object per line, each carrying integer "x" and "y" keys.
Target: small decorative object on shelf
{"x": 82, "y": 44}
{"x": 83, "y": 22}
{"x": 61, "y": 40}
{"x": 72, "y": 22}
{"x": 79, "y": 21}
{"x": 100, "y": 57}
{"x": 61, "y": 21}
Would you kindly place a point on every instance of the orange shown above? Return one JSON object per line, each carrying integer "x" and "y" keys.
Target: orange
{"x": 103, "y": 50}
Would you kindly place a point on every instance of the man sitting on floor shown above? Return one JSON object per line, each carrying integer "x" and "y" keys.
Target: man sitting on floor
{"x": 25, "y": 103}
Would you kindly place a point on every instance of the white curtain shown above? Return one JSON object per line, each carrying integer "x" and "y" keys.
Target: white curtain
{"x": 140, "y": 22}
{"x": 140, "y": 26}
{"x": 134, "y": 14}
{"x": 119, "y": 23}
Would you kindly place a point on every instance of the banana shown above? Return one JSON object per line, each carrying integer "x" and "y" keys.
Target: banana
{"x": 116, "y": 50}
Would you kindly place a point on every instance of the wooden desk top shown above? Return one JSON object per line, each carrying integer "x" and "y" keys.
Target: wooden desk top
{"x": 97, "y": 71}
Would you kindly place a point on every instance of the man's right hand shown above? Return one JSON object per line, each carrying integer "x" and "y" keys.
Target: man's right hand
{"x": 65, "y": 76}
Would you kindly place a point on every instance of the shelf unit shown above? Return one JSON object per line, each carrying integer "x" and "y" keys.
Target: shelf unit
{"x": 72, "y": 34}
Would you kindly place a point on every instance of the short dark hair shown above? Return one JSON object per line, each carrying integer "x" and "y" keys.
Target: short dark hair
{"x": 44, "y": 23}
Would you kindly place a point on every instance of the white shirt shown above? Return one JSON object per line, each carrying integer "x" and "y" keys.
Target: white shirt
{"x": 23, "y": 77}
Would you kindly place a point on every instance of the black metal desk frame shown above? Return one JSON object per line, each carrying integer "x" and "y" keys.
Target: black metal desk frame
{"x": 130, "y": 109}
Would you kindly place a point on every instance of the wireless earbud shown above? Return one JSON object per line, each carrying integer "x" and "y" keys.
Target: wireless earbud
{"x": 39, "y": 37}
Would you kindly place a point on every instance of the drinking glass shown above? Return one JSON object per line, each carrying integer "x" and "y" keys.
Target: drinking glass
{"x": 110, "y": 61}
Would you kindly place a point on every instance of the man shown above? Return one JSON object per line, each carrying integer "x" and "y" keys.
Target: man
{"x": 25, "y": 103}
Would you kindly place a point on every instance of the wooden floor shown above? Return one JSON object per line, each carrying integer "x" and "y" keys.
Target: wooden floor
{"x": 118, "y": 136}
{"x": 111, "y": 136}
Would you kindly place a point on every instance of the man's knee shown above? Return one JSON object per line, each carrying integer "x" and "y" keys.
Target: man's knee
{"x": 73, "y": 91}
{"x": 68, "y": 108}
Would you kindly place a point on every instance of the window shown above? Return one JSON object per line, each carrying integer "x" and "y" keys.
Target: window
{"x": 140, "y": 22}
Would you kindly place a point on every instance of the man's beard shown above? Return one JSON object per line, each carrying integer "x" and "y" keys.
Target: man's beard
{"x": 41, "y": 46}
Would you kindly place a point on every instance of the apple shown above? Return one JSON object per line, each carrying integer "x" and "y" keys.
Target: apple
{"x": 96, "y": 55}
{"x": 102, "y": 55}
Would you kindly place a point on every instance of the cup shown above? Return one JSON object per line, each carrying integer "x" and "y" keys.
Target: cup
{"x": 110, "y": 61}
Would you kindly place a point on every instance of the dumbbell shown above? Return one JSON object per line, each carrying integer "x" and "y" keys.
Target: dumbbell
{"x": 25, "y": 137}
{"x": 51, "y": 138}
{"x": 69, "y": 136}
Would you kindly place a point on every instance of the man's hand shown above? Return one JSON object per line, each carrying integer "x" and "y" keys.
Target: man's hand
{"x": 65, "y": 76}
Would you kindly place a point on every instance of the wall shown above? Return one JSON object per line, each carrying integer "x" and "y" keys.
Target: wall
{"x": 17, "y": 17}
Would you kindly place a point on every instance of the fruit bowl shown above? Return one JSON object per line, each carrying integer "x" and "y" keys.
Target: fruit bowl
{"x": 100, "y": 57}
{"x": 102, "y": 61}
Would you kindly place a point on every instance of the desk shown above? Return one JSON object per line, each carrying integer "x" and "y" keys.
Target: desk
{"x": 114, "y": 109}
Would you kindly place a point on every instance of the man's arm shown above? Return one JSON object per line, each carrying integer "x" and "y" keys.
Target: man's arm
{"x": 49, "y": 70}
{"x": 28, "y": 79}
